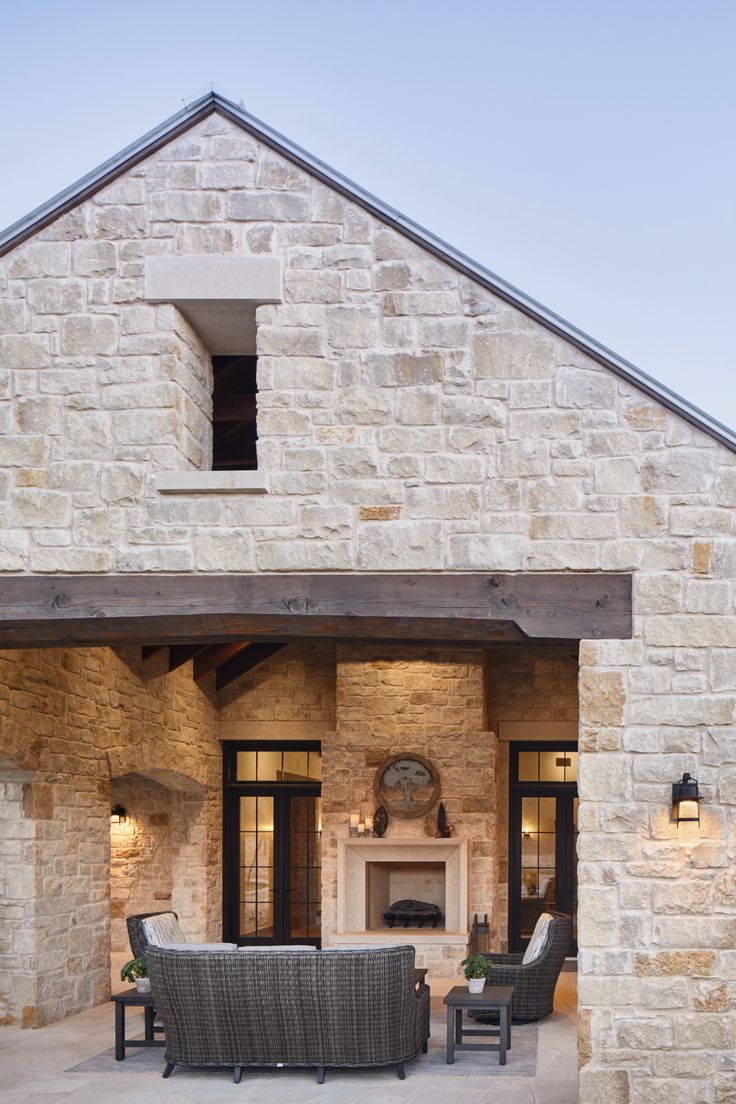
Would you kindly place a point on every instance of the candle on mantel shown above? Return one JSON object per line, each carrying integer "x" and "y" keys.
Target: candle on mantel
{"x": 354, "y": 820}
{"x": 369, "y": 825}
{"x": 361, "y": 828}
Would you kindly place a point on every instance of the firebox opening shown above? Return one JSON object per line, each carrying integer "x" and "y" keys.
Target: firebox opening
{"x": 388, "y": 882}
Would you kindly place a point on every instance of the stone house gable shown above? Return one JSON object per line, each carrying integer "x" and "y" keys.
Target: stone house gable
{"x": 410, "y": 419}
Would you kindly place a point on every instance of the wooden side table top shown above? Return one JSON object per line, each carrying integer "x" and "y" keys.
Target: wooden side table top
{"x": 132, "y": 996}
{"x": 493, "y": 996}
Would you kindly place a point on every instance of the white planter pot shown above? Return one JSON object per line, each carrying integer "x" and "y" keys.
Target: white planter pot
{"x": 476, "y": 985}
{"x": 143, "y": 985}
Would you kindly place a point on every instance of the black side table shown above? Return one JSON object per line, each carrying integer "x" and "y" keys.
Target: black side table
{"x": 494, "y": 998}
{"x": 131, "y": 998}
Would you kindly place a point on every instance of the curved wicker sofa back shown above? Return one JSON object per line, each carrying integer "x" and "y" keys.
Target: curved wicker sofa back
{"x": 318, "y": 1008}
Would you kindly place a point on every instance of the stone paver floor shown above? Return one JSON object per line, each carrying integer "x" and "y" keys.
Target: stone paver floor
{"x": 32, "y": 1065}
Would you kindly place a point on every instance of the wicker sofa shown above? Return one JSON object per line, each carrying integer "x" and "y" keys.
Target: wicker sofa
{"x": 335, "y": 1008}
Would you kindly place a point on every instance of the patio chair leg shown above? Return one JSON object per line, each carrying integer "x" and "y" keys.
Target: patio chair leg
{"x": 320, "y": 1075}
{"x": 169, "y": 1069}
{"x": 401, "y": 1071}
{"x": 237, "y": 1074}
{"x": 425, "y": 1046}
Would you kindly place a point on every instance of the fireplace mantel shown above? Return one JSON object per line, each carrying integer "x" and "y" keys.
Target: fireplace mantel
{"x": 353, "y": 858}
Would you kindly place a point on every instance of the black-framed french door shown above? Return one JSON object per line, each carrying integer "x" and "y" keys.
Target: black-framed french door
{"x": 543, "y": 828}
{"x": 272, "y": 826}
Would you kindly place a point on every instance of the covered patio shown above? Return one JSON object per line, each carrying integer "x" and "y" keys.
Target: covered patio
{"x": 130, "y": 695}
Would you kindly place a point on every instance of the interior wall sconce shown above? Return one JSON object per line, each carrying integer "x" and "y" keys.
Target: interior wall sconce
{"x": 526, "y": 833}
{"x": 686, "y": 801}
{"x": 118, "y": 815}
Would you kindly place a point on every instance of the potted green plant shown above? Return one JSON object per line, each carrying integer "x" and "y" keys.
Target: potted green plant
{"x": 477, "y": 969}
{"x": 137, "y": 971}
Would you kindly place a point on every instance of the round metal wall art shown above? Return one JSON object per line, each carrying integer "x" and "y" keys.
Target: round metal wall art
{"x": 407, "y": 786}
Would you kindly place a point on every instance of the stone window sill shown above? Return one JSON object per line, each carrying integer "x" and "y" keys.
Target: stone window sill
{"x": 211, "y": 482}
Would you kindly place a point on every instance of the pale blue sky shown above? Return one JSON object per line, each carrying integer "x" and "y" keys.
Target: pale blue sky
{"x": 584, "y": 150}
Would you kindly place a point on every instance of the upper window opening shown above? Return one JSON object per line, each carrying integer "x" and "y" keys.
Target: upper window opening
{"x": 234, "y": 432}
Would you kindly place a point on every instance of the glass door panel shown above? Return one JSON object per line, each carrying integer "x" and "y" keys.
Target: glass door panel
{"x": 543, "y": 836}
{"x": 272, "y": 824}
{"x": 538, "y": 860}
{"x": 304, "y": 858}
{"x": 256, "y": 867}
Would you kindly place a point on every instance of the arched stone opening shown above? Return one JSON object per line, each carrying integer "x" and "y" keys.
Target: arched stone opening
{"x": 158, "y": 853}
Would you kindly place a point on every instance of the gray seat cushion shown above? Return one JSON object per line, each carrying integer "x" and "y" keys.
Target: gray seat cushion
{"x": 296, "y": 948}
{"x": 199, "y": 946}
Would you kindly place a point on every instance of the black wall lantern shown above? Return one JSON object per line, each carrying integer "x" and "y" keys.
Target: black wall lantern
{"x": 685, "y": 801}
{"x": 118, "y": 815}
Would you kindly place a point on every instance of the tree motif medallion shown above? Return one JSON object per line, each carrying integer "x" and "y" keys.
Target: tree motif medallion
{"x": 407, "y": 786}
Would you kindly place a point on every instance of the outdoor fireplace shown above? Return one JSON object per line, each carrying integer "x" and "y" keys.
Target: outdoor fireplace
{"x": 373, "y": 874}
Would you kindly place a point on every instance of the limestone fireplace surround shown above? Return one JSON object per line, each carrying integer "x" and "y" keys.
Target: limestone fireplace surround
{"x": 369, "y": 870}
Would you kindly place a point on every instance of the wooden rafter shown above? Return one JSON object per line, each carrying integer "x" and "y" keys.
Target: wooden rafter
{"x": 212, "y": 658}
{"x": 245, "y": 660}
{"x": 179, "y": 654}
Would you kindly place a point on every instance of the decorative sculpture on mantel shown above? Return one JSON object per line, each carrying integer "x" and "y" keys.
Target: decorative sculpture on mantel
{"x": 380, "y": 822}
{"x": 444, "y": 829}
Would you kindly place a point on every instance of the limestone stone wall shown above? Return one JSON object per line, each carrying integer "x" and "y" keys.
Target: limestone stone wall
{"x": 409, "y": 421}
{"x": 140, "y": 854}
{"x": 528, "y": 684}
{"x": 290, "y": 696}
{"x": 428, "y": 701}
{"x": 72, "y": 720}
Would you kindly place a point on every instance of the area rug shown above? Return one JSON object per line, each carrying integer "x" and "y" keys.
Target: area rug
{"x": 521, "y": 1060}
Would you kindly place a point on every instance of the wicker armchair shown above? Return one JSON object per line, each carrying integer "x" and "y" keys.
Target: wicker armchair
{"x": 136, "y": 933}
{"x": 161, "y": 929}
{"x": 345, "y": 1010}
{"x": 534, "y": 983}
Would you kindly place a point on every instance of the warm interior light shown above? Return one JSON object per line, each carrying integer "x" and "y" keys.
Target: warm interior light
{"x": 117, "y": 814}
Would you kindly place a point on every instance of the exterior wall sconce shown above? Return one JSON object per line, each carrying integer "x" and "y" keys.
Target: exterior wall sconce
{"x": 685, "y": 801}
{"x": 118, "y": 815}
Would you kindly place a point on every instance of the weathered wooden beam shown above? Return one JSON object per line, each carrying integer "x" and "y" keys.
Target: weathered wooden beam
{"x": 148, "y": 651}
{"x": 212, "y": 657}
{"x": 246, "y": 660}
{"x": 47, "y": 611}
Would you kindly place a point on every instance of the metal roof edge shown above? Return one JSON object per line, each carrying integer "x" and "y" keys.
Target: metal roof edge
{"x": 92, "y": 181}
{"x": 213, "y": 101}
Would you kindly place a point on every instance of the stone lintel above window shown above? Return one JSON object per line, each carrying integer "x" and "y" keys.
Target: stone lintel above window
{"x": 211, "y": 482}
